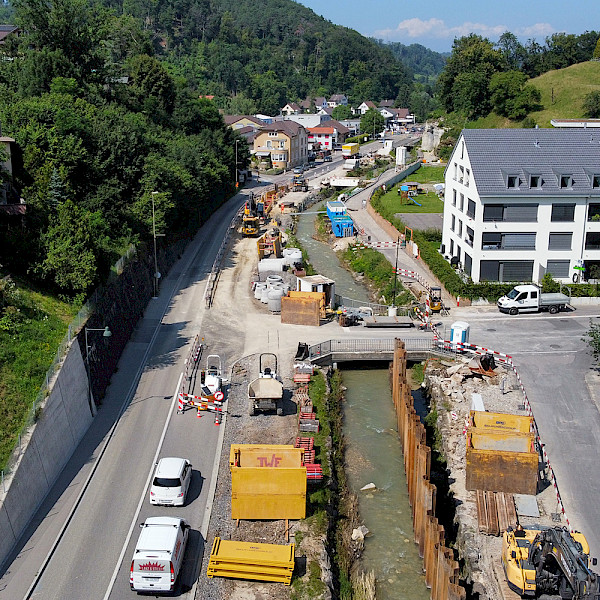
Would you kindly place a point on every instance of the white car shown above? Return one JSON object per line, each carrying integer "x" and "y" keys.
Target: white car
{"x": 171, "y": 481}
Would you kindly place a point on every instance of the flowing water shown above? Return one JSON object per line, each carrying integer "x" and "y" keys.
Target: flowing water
{"x": 374, "y": 455}
{"x": 324, "y": 260}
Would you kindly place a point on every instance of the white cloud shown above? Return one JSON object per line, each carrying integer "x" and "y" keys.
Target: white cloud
{"x": 437, "y": 29}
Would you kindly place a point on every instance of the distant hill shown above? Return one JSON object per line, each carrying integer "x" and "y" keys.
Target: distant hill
{"x": 563, "y": 91}
{"x": 426, "y": 64}
{"x": 268, "y": 52}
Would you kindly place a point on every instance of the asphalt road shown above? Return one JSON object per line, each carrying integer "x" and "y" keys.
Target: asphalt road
{"x": 107, "y": 479}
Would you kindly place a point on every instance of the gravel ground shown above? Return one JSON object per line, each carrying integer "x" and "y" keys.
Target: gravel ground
{"x": 241, "y": 428}
{"x": 483, "y": 552}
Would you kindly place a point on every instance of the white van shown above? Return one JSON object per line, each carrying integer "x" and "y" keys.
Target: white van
{"x": 171, "y": 481}
{"x": 158, "y": 554}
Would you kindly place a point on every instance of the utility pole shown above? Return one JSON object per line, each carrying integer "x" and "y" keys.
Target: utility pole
{"x": 395, "y": 273}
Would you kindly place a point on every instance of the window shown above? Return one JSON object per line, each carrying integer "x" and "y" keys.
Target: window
{"x": 594, "y": 212}
{"x": 521, "y": 213}
{"x": 453, "y": 224}
{"x": 462, "y": 150}
{"x": 563, "y": 212}
{"x": 272, "y": 134}
{"x": 471, "y": 209}
{"x": 558, "y": 268}
{"x": 592, "y": 240}
{"x": 470, "y": 236}
{"x": 455, "y": 171}
{"x": 535, "y": 181}
{"x": 451, "y": 247}
{"x": 462, "y": 174}
{"x": 453, "y": 197}
{"x": 596, "y": 181}
{"x": 462, "y": 203}
{"x": 504, "y": 271}
{"x": 513, "y": 181}
{"x": 459, "y": 228}
{"x": 560, "y": 241}
{"x": 467, "y": 177}
{"x": 566, "y": 181}
{"x": 507, "y": 241}
{"x": 468, "y": 264}
{"x": 493, "y": 212}
{"x": 269, "y": 144}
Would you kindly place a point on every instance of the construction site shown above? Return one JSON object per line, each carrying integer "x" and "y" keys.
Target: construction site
{"x": 495, "y": 529}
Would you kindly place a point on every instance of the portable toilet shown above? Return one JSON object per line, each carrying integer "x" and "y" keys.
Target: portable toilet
{"x": 459, "y": 332}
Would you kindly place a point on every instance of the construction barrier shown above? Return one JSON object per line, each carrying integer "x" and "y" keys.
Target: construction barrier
{"x": 251, "y": 560}
{"x": 267, "y": 482}
{"x": 441, "y": 570}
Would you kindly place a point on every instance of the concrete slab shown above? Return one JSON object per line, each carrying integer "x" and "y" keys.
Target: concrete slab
{"x": 526, "y": 505}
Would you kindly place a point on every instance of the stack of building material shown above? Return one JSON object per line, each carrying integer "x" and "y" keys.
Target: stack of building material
{"x": 251, "y": 560}
{"x": 267, "y": 482}
{"x": 495, "y": 512}
{"x": 307, "y": 421}
{"x": 302, "y": 372}
{"x": 501, "y": 454}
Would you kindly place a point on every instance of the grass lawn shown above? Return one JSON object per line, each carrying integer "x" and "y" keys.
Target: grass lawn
{"x": 428, "y": 174}
{"x": 430, "y": 203}
{"x": 32, "y": 325}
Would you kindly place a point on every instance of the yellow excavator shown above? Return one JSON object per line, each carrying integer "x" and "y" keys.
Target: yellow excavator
{"x": 250, "y": 221}
{"x": 549, "y": 560}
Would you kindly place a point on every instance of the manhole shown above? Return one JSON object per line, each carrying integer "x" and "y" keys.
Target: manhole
{"x": 554, "y": 346}
{"x": 490, "y": 329}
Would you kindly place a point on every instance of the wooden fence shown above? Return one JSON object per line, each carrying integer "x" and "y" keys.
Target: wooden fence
{"x": 441, "y": 570}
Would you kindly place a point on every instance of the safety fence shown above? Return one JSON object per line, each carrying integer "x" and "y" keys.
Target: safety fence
{"x": 441, "y": 569}
{"x": 378, "y": 309}
{"x": 211, "y": 284}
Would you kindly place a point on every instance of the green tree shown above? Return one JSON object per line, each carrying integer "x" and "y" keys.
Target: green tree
{"x": 152, "y": 85}
{"x": 463, "y": 85}
{"x": 592, "y": 337}
{"x": 591, "y": 105}
{"x": 72, "y": 243}
{"x": 512, "y": 50}
{"x": 342, "y": 112}
{"x": 511, "y": 97}
{"x": 596, "y": 53}
{"x": 372, "y": 122}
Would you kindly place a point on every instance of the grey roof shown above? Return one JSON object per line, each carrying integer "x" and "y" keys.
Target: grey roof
{"x": 497, "y": 153}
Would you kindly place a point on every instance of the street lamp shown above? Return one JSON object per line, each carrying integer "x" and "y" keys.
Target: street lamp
{"x": 154, "y": 235}
{"x": 236, "y": 164}
{"x": 106, "y": 333}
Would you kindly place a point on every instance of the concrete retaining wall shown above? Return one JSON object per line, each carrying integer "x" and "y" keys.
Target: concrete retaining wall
{"x": 63, "y": 422}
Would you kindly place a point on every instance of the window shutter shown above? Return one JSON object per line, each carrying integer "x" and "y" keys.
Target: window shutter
{"x": 560, "y": 241}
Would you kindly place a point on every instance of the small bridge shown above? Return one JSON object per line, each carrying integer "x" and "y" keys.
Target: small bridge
{"x": 334, "y": 351}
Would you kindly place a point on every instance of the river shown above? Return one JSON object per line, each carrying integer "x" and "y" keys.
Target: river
{"x": 373, "y": 452}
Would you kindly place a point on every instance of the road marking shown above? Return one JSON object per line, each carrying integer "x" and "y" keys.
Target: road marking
{"x": 144, "y": 492}
{"x": 544, "y": 352}
{"x": 526, "y": 317}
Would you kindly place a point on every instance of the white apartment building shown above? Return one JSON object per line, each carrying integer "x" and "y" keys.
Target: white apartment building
{"x": 520, "y": 203}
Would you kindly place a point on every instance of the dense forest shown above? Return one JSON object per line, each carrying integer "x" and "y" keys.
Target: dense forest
{"x": 425, "y": 64}
{"x": 91, "y": 147}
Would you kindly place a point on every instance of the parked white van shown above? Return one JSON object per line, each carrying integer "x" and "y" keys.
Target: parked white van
{"x": 158, "y": 554}
{"x": 171, "y": 481}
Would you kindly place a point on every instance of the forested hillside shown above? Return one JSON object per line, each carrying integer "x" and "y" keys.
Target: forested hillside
{"x": 91, "y": 148}
{"x": 424, "y": 63}
{"x": 259, "y": 54}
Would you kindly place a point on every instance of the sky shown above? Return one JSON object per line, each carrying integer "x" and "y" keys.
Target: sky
{"x": 436, "y": 23}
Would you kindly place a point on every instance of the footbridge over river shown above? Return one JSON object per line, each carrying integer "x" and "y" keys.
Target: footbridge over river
{"x": 335, "y": 351}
